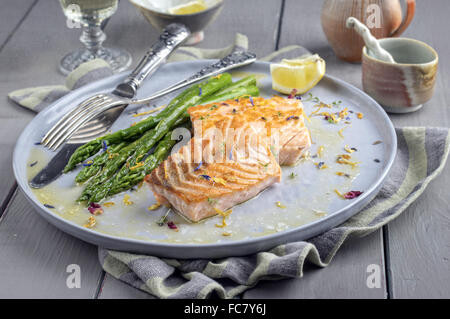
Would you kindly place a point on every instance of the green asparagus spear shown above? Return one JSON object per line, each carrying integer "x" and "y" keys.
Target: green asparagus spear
{"x": 141, "y": 146}
{"x": 116, "y": 185}
{"x": 235, "y": 93}
{"x": 244, "y": 82}
{"x": 128, "y": 177}
{"x": 98, "y": 162}
{"x": 87, "y": 150}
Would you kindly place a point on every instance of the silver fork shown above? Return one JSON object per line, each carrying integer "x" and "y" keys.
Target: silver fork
{"x": 102, "y": 103}
{"x": 173, "y": 35}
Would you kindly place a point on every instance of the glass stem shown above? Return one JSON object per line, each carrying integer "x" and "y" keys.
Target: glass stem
{"x": 92, "y": 37}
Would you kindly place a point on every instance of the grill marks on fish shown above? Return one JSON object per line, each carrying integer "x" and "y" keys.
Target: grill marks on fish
{"x": 236, "y": 165}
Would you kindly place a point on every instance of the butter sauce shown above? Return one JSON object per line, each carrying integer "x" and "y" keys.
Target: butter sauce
{"x": 306, "y": 192}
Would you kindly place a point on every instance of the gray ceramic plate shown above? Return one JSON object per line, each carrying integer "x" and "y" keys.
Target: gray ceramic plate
{"x": 310, "y": 204}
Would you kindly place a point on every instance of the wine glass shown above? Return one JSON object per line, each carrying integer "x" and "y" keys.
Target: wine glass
{"x": 89, "y": 14}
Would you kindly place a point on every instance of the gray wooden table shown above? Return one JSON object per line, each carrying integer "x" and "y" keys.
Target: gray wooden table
{"x": 413, "y": 251}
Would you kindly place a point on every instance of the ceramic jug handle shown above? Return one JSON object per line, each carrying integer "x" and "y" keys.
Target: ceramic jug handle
{"x": 410, "y": 10}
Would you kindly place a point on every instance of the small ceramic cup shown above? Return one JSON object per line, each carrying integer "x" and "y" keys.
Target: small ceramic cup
{"x": 403, "y": 86}
{"x": 155, "y": 11}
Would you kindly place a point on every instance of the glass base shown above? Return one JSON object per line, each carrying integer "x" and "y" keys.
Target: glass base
{"x": 118, "y": 59}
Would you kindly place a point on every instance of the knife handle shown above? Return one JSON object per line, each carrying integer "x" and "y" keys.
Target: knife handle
{"x": 231, "y": 61}
{"x": 172, "y": 36}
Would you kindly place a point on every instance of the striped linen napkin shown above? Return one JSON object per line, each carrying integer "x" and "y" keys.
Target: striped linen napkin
{"x": 421, "y": 156}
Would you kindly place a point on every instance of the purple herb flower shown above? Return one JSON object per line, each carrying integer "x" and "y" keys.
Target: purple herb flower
{"x": 207, "y": 177}
{"x": 198, "y": 167}
{"x": 352, "y": 194}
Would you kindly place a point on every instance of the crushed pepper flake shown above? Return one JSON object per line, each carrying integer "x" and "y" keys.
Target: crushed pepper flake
{"x": 330, "y": 117}
{"x": 49, "y": 206}
{"x": 339, "y": 194}
{"x": 306, "y": 116}
{"x": 139, "y": 164}
{"x": 320, "y": 151}
{"x": 150, "y": 111}
{"x": 346, "y": 156}
{"x": 349, "y": 150}
{"x": 278, "y": 204}
{"x": 377, "y": 142}
{"x": 112, "y": 155}
{"x": 126, "y": 200}
{"x": 154, "y": 206}
{"x": 34, "y": 163}
{"x": 219, "y": 180}
{"x": 344, "y": 159}
{"x": 224, "y": 215}
{"x": 91, "y": 222}
{"x": 343, "y": 113}
{"x": 343, "y": 174}
{"x": 340, "y": 132}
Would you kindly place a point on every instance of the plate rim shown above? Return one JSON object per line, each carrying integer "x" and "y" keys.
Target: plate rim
{"x": 97, "y": 237}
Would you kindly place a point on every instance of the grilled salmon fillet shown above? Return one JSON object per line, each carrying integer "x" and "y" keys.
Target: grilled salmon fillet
{"x": 279, "y": 118}
{"x": 233, "y": 156}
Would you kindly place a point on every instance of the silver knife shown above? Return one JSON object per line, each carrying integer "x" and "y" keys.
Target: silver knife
{"x": 171, "y": 37}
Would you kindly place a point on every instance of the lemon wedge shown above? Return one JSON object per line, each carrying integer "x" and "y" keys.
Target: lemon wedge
{"x": 189, "y": 8}
{"x": 301, "y": 74}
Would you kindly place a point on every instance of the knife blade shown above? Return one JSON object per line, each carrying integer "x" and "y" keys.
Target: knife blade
{"x": 172, "y": 36}
{"x": 55, "y": 167}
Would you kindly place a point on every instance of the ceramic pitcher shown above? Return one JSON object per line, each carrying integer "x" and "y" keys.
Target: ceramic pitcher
{"x": 383, "y": 17}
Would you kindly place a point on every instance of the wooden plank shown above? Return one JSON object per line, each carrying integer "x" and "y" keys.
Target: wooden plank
{"x": 10, "y": 21}
{"x": 30, "y": 58}
{"x": 11, "y": 18}
{"x": 346, "y": 276}
{"x": 219, "y": 34}
{"x": 418, "y": 240}
{"x": 116, "y": 289}
{"x": 254, "y": 18}
{"x": 35, "y": 255}
{"x": 9, "y": 129}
